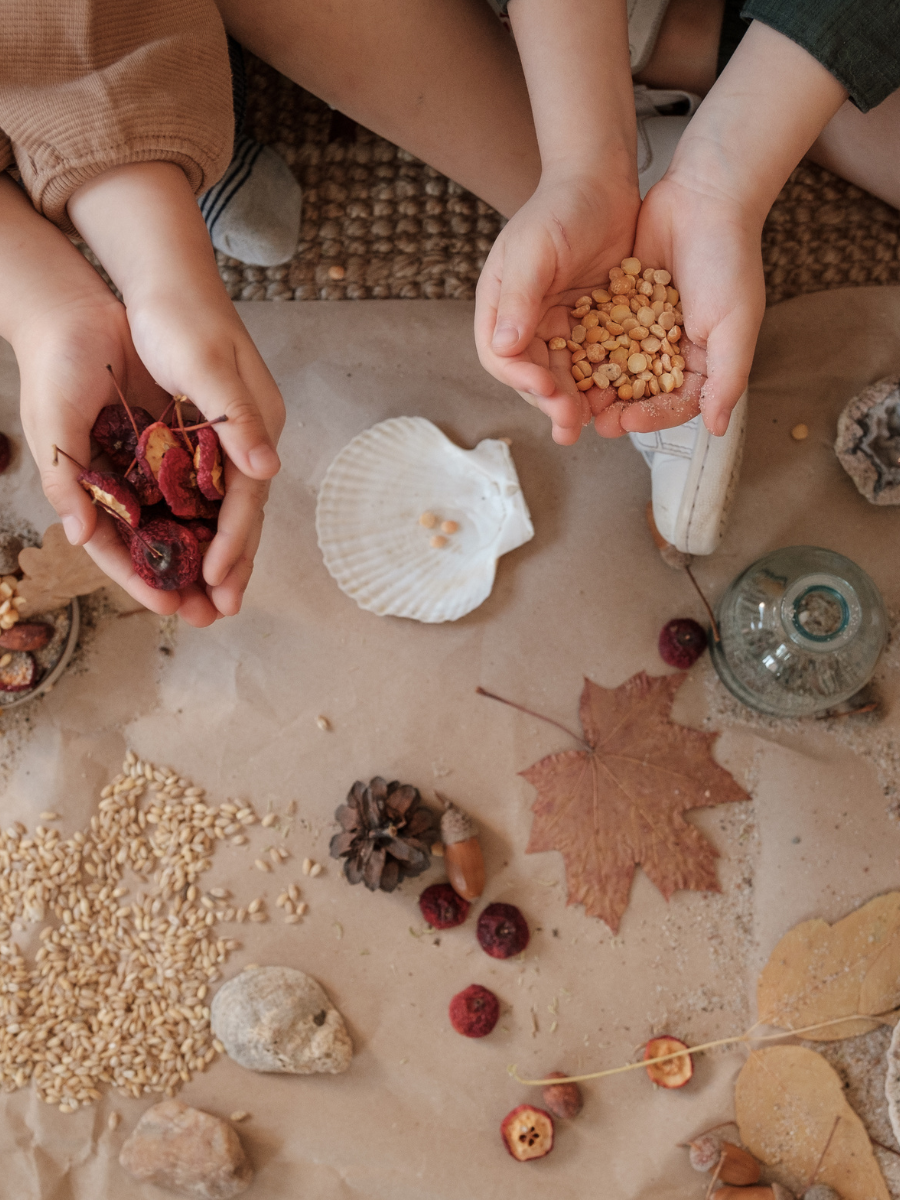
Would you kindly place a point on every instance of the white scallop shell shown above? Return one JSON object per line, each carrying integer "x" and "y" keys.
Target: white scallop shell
{"x": 367, "y": 519}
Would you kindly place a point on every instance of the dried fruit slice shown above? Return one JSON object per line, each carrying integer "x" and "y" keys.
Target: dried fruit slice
{"x": 112, "y": 493}
{"x": 681, "y": 642}
{"x": 502, "y": 931}
{"x": 208, "y": 464}
{"x": 5, "y": 452}
{"x": 178, "y": 484}
{"x": 27, "y": 635}
{"x": 145, "y": 486}
{"x": 527, "y": 1133}
{"x": 442, "y": 907}
{"x": 674, "y": 1073}
{"x": 19, "y": 674}
{"x": 152, "y": 446}
{"x": 114, "y": 433}
{"x": 474, "y": 1012}
{"x": 165, "y": 555}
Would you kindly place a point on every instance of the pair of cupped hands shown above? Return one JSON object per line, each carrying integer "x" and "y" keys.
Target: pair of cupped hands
{"x": 187, "y": 338}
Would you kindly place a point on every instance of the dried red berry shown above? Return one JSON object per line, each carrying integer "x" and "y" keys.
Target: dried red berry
{"x": 563, "y": 1099}
{"x": 502, "y": 931}
{"x": 527, "y": 1133}
{"x": 27, "y": 635}
{"x": 19, "y": 674}
{"x": 145, "y": 487}
{"x": 474, "y": 1012}
{"x": 165, "y": 555}
{"x": 442, "y": 908}
{"x": 114, "y": 432}
{"x": 178, "y": 484}
{"x": 112, "y": 493}
{"x": 681, "y": 643}
{"x": 674, "y": 1073}
{"x": 152, "y": 446}
{"x": 5, "y": 452}
{"x": 208, "y": 464}
{"x": 202, "y": 532}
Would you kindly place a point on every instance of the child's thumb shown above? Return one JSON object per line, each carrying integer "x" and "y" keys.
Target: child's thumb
{"x": 518, "y": 311}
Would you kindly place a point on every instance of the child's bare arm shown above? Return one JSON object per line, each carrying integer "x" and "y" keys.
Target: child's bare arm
{"x": 143, "y": 223}
{"x": 704, "y": 219}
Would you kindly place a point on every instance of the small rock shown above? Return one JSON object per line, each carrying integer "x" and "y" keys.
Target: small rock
{"x": 188, "y": 1151}
{"x": 868, "y": 441}
{"x": 821, "y": 1191}
{"x": 10, "y": 545}
{"x": 279, "y": 1019}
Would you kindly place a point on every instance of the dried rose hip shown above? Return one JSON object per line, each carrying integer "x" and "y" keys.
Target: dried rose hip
{"x": 208, "y": 464}
{"x": 681, "y": 643}
{"x": 502, "y": 931}
{"x": 563, "y": 1099}
{"x": 474, "y": 1012}
{"x": 112, "y": 493}
{"x": 178, "y": 484}
{"x": 677, "y": 1071}
{"x": 527, "y": 1133}
{"x": 19, "y": 674}
{"x": 152, "y": 446}
{"x": 27, "y": 635}
{"x": 442, "y": 908}
{"x": 5, "y": 452}
{"x": 165, "y": 555}
{"x": 114, "y": 432}
{"x": 202, "y": 532}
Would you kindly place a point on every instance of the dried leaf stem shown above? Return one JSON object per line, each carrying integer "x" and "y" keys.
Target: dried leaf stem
{"x": 706, "y": 604}
{"x": 512, "y": 704}
{"x": 740, "y": 1039}
{"x": 58, "y": 450}
{"x": 137, "y": 432}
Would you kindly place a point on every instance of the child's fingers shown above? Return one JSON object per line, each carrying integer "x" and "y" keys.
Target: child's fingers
{"x": 218, "y": 390}
{"x": 197, "y": 608}
{"x": 729, "y": 356}
{"x": 239, "y": 515}
{"x": 665, "y": 410}
{"x": 228, "y": 595}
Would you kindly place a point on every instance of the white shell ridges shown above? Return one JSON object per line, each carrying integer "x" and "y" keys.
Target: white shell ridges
{"x": 367, "y": 519}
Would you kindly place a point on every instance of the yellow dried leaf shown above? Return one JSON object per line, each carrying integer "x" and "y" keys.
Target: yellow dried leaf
{"x": 786, "y": 1102}
{"x": 819, "y": 972}
{"x": 56, "y": 573}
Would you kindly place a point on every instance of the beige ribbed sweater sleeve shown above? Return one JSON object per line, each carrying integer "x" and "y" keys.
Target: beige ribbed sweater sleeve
{"x": 86, "y": 85}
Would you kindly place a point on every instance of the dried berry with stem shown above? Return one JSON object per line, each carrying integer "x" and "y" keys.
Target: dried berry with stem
{"x": 113, "y": 495}
{"x": 527, "y": 1133}
{"x": 178, "y": 484}
{"x": 475, "y": 1011}
{"x": 116, "y": 431}
{"x": 681, "y": 642}
{"x": 502, "y": 931}
{"x": 443, "y": 907}
{"x": 166, "y": 555}
{"x": 386, "y": 834}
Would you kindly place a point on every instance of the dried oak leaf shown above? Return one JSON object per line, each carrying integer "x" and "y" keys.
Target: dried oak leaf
{"x": 56, "y": 573}
{"x": 619, "y": 804}
{"x": 819, "y": 972}
{"x": 786, "y": 1102}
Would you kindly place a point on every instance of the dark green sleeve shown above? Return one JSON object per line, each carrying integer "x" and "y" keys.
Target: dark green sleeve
{"x": 858, "y": 43}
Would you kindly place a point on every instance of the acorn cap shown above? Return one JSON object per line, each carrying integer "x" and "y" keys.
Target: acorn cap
{"x": 457, "y": 826}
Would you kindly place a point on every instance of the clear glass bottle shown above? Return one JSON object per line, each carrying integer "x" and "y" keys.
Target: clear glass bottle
{"x": 801, "y": 631}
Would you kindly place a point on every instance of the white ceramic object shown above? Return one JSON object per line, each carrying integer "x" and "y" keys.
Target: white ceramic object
{"x": 367, "y": 520}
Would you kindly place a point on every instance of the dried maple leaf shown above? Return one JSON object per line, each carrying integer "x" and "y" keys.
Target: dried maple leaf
{"x": 55, "y": 573}
{"x": 619, "y": 802}
{"x": 786, "y": 1101}
{"x": 819, "y": 972}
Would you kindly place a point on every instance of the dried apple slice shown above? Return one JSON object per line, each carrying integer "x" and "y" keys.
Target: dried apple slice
{"x": 152, "y": 446}
{"x": 114, "y": 432}
{"x": 165, "y": 555}
{"x": 527, "y": 1133}
{"x": 178, "y": 484}
{"x": 112, "y": 493}
{"x": 19, "y": 673}
{"x": 675, "y": 1072}
{"x": 208, "y": 464}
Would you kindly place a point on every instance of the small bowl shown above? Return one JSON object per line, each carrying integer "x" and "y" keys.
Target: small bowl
{"x": 54, "y": 657}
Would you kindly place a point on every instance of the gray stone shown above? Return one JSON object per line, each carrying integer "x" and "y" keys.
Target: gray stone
{"x": 10, "y": 545}
{"x": 279, "y": 1019}
{"x": 821, "y": 1191}
{"x": 188, "y": 1151}
{"x": 868, "y": 441}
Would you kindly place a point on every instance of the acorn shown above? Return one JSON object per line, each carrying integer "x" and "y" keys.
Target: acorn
{"x": 734, "y": 1164}
{"x": 462, "y": 853}
{"x": 769, "y": 1191}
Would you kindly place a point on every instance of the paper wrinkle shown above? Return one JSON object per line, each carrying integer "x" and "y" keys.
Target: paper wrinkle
{"x": 417, "y": 1115}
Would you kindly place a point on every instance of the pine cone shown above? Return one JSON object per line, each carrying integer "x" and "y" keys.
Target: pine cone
{"x": 386, "y": 835}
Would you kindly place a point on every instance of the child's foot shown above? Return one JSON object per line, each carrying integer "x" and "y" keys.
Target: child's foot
{"x": 253, "y": 212}
{"x": 693, "y": 477}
